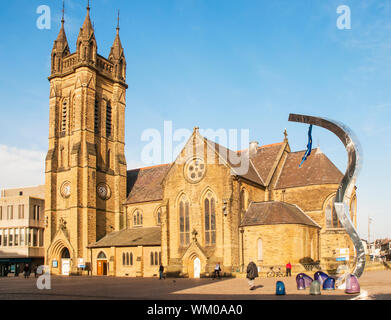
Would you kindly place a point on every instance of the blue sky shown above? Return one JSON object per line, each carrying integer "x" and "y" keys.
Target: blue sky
{"x": 215, "y": 64}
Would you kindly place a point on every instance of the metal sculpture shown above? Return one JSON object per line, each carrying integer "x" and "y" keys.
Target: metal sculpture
{"x": 348, "y": 181}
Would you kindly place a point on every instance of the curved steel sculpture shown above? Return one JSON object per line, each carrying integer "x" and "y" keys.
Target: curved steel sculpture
{"x": 348, "y": 181}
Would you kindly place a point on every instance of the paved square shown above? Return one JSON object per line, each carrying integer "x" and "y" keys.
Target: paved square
{"x": 377, "y": 285}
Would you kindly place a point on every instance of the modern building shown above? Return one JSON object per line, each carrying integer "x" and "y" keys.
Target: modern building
{"x": 210, "y": 205}
{"x": 22, "y": 226}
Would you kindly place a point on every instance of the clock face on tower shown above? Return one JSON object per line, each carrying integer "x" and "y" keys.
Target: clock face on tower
{"x": 103, "y": 191}
{"x": 66, "y": 189}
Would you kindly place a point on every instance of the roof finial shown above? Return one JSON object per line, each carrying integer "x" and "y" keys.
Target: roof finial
{"x": 285, "y": 135}
{"x": 88, "y": 5}
{"x": 118, "y": 21}
{"x": 63, "y": 11}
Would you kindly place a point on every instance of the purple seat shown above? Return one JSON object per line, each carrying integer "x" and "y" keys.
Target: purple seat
{"x": 320, "y": 276}
{"x": 352, "y": 285}
{"x": 303, "y": 281}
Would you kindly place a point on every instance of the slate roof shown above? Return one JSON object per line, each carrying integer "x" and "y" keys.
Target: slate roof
{"x": 266, "y": 157}
{"x": 228, "y": 155}
{"x": 145, "y": 184}
{"x": 130, "y": 237}
{"x": 317, "y": 169}
{"x": 275, "y": 212}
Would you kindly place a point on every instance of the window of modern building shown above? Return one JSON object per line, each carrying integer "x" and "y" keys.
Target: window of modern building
{"x": 28, "y": 237}
{"x": 16, "y": 240}
{"x": 5, "y": 239}
{"x": 210, "y": 219}
{"x": 184, "y": 222}
{"x": 35, "y": 237}
{"x": 41, "y": 231}
{"x": 22, "y": 235}
{"x": 21, "y": 211}
{"x": 10, "y": 212}
{"x": 11, "y": 238}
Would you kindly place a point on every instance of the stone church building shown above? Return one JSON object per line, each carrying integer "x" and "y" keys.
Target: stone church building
{"x": 210, "y": 205}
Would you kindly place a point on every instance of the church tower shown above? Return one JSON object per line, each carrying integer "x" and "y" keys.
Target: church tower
{"x": 85, "y": 165}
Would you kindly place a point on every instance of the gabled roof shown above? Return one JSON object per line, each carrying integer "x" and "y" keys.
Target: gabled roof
{"x": 145, "y": 184}
{"x": 230, "y": 156}
{"x": 275, "y": 212}
{"x": 130, "y": 237}
{"x": 316, "y": 170}
{"x": 266, "y": 159}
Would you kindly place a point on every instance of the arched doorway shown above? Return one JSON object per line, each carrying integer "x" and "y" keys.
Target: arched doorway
{"x": 197, "y": 268}
{"x": 65, "y": 262}
{"x": 101, "y": 264}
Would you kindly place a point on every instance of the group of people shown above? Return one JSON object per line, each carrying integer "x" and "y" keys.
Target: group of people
{"x": 27, "y": 271}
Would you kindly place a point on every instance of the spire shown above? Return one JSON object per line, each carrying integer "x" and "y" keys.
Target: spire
{"x": 117, "y": 51}
{"x": 87, "y": 30}
{"x": 61, "y": 43}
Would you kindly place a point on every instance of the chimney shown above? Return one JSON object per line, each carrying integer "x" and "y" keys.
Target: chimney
{"x": 253, "y": 148}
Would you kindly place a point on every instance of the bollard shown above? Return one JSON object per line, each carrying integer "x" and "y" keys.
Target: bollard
{"x": 315, "y": 287}
{"x": 280, "y": 288}
{"x": 329, "y": 284}
{"x": 352, "y": 285}
{"x": 320, "y": 276}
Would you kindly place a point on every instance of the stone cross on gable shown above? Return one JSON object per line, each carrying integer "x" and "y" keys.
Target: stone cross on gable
{"x": 195, "y": 233}
{"x": 62, "y": 224}
{"x": 285, "y": 135}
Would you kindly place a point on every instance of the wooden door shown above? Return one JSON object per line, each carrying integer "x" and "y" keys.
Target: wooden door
{"x": 101, "y": 267}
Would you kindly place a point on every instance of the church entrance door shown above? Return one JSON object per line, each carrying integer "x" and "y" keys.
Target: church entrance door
{"x": 65, "y": 262}
{"x": 197, "y": 267}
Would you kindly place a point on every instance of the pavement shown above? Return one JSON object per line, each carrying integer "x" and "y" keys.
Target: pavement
{"x": 375, "y": 285}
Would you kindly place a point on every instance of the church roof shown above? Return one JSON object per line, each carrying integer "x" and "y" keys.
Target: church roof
{"x": 266, "y": 158}
{"x": 275, "y": 212}
{"x": 316, "y": 170}
{"x": 145, "y": 184}
{"x": 150, "y": 236}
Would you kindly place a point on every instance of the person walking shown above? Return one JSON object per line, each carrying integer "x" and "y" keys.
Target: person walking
{"x": 217, "y": 271}
{"x": 288, "y": 269}
{"x": 161, "y": 270}
{"x": 26, "y": 271}
{"x": 35, "y": 271}
{"x": 252, "y": 273}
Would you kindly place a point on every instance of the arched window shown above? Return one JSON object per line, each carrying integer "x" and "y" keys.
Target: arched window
{"x": 184, "y": 221}
{"x": 131, "y": 258}
{"x": 210, "y": 219}
{"x": 137, "y": 218}
{"x": 102, "y": 255}
{"x": 97, "y": 118}
{"x": 332, "y": 220}
{"x": 64, "y": 117}
{"x": 156, "y": 258}
{"x": 159, "y": 216}
{"x": 160, "y": 258}
{"x": 151, "y": 259}
{"x": 127, "y": 258}
{"x": 123, "y": 259}
{"x": 243, "y": 200}
{"x": 260, "y": 250}
{"x": 108, "y": 119}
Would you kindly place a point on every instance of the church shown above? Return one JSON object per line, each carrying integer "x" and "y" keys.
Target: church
{"x": 211, "y": 205}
